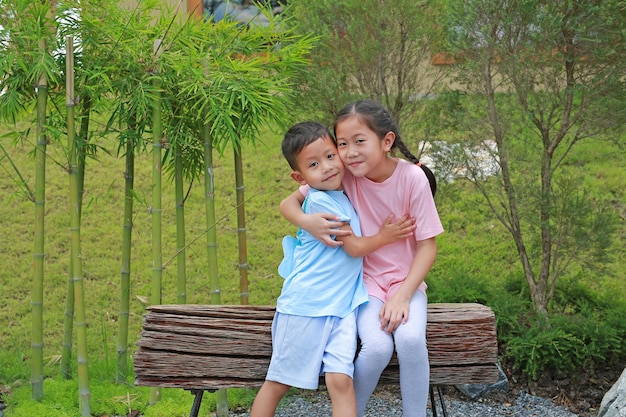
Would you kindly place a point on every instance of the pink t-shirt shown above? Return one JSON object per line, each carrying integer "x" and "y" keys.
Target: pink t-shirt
{"x": 406, "y": 191}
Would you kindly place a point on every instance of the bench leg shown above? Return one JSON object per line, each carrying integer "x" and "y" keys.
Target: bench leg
{"x": 441, "y": 401}
{"x": 197, "y": 400}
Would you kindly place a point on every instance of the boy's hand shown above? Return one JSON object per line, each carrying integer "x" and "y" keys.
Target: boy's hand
{"x": 393, "y": 231}
{"x": 323, "y": 225}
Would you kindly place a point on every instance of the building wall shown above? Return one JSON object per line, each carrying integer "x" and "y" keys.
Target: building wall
{"x": 183, "y": 5}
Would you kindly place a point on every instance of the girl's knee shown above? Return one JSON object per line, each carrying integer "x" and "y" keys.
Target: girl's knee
{"x": 377, "y": 352}
{"x": 412, "y": 346}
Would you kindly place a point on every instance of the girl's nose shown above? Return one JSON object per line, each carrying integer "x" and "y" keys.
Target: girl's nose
{"x": 350, "y": 151}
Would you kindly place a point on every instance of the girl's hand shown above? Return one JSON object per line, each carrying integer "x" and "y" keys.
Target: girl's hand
{"x": 393, "y": 313}
{"x": 393, "y": 231}
{"x": 323, "y": 225}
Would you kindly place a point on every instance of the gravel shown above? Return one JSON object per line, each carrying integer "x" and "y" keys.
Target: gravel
{"x": 317, "y": 404}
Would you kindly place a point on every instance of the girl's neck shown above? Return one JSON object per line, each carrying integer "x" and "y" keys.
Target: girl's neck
{"x": 383, "y": 170}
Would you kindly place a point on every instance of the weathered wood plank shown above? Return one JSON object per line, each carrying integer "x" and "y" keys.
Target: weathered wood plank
{"x": 438, "y": 376}
{"x": 208, "y": 346}
{"x": 449, "y": 375}
{"x": 158, "y": 363}
{"x": 241, "y": 311}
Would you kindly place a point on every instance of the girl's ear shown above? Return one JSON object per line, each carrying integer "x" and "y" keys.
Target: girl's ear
{"x": 298, "y": 177}
{"x": 388, "y": 140}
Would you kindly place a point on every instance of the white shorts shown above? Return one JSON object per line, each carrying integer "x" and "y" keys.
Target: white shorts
{"x": 303, "y": 348}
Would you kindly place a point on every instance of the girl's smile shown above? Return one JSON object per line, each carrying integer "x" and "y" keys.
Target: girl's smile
{"x": 362, "y": 151}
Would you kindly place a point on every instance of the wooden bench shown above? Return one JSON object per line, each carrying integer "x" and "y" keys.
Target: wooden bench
{"x": 209, "y": 347}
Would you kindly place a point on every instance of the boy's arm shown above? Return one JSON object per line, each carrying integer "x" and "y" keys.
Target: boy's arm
{"x": 320, "y": 225}
{"x": 389, "y": 232}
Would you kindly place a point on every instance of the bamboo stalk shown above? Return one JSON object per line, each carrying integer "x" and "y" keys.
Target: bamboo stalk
{"x": 241, "y": 226}
{"x": 68, "y": 326}
{"x": 209, "y": 194}
{"x": 84, "y": 393}
{"x": 38, "y": 248}
{"x": 157, "y": 250}
{"x": 124, "y": 314}
{"x": 68, "y": 315}
{"x": 180, "y": 226}
{"x": 221, "y": 396}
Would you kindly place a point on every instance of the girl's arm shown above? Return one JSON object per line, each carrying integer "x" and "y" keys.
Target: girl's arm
{"x": 320, "y": 225}
{"x": 396, "y": 310}
{"x": 389, "y": 232}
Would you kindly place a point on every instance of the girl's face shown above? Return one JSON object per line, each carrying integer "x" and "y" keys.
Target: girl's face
{"x": 361, "y": 150}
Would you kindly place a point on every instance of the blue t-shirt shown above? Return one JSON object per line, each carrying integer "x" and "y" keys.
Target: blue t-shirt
{"x": 320, "y": 280}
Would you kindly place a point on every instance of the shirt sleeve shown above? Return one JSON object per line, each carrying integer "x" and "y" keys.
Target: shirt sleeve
{"x": 304, "y": 189}
{"x": 423, "y": 207}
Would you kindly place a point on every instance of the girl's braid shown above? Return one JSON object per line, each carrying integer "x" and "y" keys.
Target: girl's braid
{"x": 379, "y": 120}
{"x": 411, "y": 158}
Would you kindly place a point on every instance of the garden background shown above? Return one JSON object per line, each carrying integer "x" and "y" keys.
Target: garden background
{"x": 167, "y": 103}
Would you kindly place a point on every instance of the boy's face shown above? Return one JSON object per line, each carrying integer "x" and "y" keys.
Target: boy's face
{"x": 319, "y": 165}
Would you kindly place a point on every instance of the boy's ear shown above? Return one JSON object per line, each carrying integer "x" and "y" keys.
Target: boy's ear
{"x": 388, "y": 140}
{"x": 298, "y": 177}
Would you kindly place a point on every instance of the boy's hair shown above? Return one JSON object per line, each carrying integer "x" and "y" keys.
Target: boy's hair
{"x": 300, "y": 135}
{"x": 376, "y": 117}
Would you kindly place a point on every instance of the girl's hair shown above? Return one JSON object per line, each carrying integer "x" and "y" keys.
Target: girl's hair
{"x": 378, "y": 120}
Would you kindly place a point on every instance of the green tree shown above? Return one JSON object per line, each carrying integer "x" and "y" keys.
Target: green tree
{"x": 368, "y": 48}
{"x": 540, "y": 76}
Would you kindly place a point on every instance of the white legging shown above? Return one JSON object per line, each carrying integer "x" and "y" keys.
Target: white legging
{"x": 377, "y": 348}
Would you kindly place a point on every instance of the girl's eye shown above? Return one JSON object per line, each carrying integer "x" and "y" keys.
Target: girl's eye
{"x": 341, "y": 144}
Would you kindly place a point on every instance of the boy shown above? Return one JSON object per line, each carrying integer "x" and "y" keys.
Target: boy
{"x": 314, "y": 329}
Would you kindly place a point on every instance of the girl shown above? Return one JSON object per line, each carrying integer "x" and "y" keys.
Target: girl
{"x": 379, "y": 184}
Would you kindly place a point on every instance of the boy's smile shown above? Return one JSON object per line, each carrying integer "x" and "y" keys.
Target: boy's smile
{"x": 319, "y": 165}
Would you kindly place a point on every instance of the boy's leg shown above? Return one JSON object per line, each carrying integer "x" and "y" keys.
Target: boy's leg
{"x": 268, "y": 398}
{"x": 341, "y": 392}
{"x": 338, "y": 366}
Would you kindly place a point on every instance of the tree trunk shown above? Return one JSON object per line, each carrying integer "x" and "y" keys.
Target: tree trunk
{"x": 512, "y": 219}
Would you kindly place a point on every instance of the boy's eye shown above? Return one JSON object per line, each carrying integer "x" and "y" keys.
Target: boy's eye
{"x": 330, "y": 156}
{"x": 313, "y": 164}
